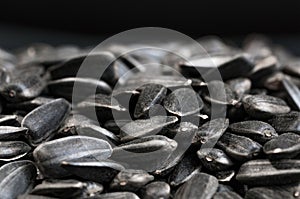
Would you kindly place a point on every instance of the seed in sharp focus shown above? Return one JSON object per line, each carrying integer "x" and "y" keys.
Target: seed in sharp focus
{"x": 151, "y": 95}
{"x": 49, "y": 156}
{"x": 16, "y": 178}
{"x": 145, "y": 153}
{"x": 144, "y": 127}
{"x": 266, "y": 172}
{"x": 259, "y": 131}
{"x": 156, "y": 190}
{"x": 101, "y": 171}
{"x": 199, "y": 186}
{"x": 183, "y": 102}
{"x": 130, "y": 180}
{"x": 285, "y": 146}
{"x": 239, "y": 147}
{"x": 13, "y": 150}
{"x": 284, "y": 123}
{"x": 50, "y": 117}
{"x": 264, "y": 106}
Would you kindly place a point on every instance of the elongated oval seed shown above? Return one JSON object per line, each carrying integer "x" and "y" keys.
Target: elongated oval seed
{"x": 11, "y": 132}
{"x": 200, "y": 186}
{"x": 101, "y": 171}
{"x": 13, "y": 150}
{"x": 264, "y": 106}
{"x": 130, "y": 180}
{"x": 285, "y": 146}
{"x": 43, "y": 121}
{"x": 49, "y": 155}
{"x": 16, "y": 178}
{"x": 259, "y": 131}
{"x": 239, "y": 147}
{"x": 266, "y": 172}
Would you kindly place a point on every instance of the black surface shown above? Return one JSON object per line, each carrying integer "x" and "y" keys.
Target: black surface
{"x": 222, "y": 17}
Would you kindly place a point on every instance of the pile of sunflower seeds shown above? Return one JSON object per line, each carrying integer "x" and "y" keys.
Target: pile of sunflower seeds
{"x": 158, "y": 132}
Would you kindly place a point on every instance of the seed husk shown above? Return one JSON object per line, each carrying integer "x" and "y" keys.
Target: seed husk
{"x": 16, "y": 178}
{"x": 50, "y": 117}
{"x": 266, "y": 172}
{"x": 13, "y": 150}
{"x": 49, "y": 156}
{"x": 130, "y": 180}
{"x": 285, "y": 146}
{"x": 199, "y": 186}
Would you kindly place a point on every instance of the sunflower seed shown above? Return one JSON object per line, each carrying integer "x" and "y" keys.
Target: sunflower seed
{"x": 285, "y": 146}
{"x": 151, "y": 95}
{"x": 144, "y": 127}
{"x": 147, "y": 153}
{"x": 50, "y": 117}
{"x": 293, "y": 93}
{"x": 239, "y": 147}
{"x": 30, "y": 196}
{"x": 266, "y": 172}
{"x": 16, "y": 178}
{"x": 211, "y": 131}
{"x": 289, "y": 122}
{"x": 183, "y": 102}
{"x": 264, "y": 106}
{"x": 227, "y": 195}
{"x": 49, "y": 155}
{"x": 13, "y": 150}
{"x": 199, "y": 186}
{"x": 117, "y": 195}
{"x": 130, "y": 180}
{"x": 66, "y": 188}
{"x": 258, "y": 131}
{"x": 86, "y": 86}
{"x": 185, "y": 169}
{"x": 225, "y": 176}
{"x": 214, "y": 159}
{"x": 11, "y": 132}
{"x": 101, "y": 171}
{"x": 31, "y": 104}
{"x": 275, "y": 192}
{"x": 156, "y": 190}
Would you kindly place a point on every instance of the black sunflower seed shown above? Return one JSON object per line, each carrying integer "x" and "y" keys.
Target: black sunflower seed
{"x": 199, "y": 186}
{"x": 291, "y": 191}
{"x": 100, "y": 171}
{"x": 13, "y": 150}
{"x": 156, "y": 190}
{"x": 16, "y": 178}
{"x": 183, "y": 102}
{"x": 31, "y": 104}
{"x": 144, "y": 127}
{"x": 117, "y": 195}
{"x": 49, "y": 116}
{"x": 147, "y": 153}
{"x": 264, "y": 106}
{"x": 214, "y": 159}
{"x": 11, "y": 132}
{"x": 30, "y": 196}
{"x": 227, "y": 195}
{"x": 289, "y": 122}
{"x": 66, "y": 188}
{"x": 258, "y": 131}
{"x": 285, "y": 146}
{"x": 130, "y": 180}
{"x": 239, "y": 147}
{"x": 211, "y": 131}
{"x": 151, "y": 95}
{"x": 266, "y": 172}
{"x": 49, "y": 155}
{"x": 293, "y": 93}
{"x": 185, "y": 169}
{"x": 84, "y": 87}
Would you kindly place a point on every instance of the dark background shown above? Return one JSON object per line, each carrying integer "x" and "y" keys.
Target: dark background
{"x": 88, "y": 22}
